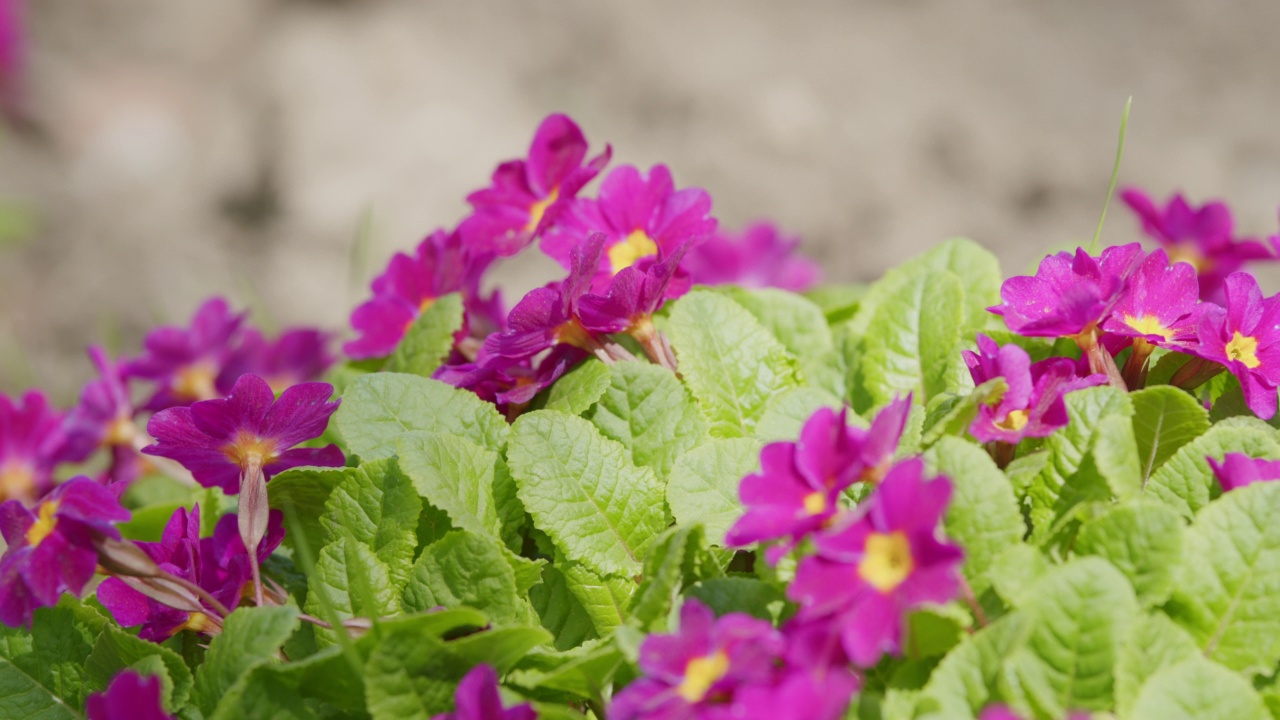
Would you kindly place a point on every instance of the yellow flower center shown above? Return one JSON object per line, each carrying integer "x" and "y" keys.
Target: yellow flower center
{"x": 1014, "y": 421}
{"x": 815, "y": 503}
{"x": 1244, "y": 349}
{"x": 44, "y": 524}
{"x": 626, "y": 253}
{"x": 199, "y": 622}
{"x": 17, "y": 482}
{"x": 121, "y": 431}
{"x": 539, "y": 208}
{"x": 701, "y": 673}
{"x": 1186, "y": 253}
{"x": 1148, "y": 325}
{"x": 886, "y": 561}
{"x": 195, "y": 382}
{"x": 248, "y": 447}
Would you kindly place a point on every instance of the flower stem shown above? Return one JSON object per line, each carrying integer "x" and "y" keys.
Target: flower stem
{"x": 252, "y": 515}
{"x": 966, "y": 592}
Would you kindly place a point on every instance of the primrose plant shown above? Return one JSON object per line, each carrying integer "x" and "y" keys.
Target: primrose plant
{"x": 683, "y": 482}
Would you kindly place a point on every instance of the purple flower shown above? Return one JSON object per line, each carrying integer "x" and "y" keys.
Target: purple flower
{"x": 298, "y": 355}
{"x": 510, "y": 384}
{"x": 1202, "y": 237}
{"x": 799, "y": 695}
{"x": 104, "y": 419}
{"x": 477, "y": 699}
{"x": 218, "y": 440}
{"x": 868, "y": 574}
{"x": 1069, "y": 295}
{"x": 185, "y": 363}
{"x": 1237, "y": 470}
{"x": 799, "y": 486}
{"x": 760, "y": 256}
{"x": 1160, "y": 304}
{"x": 32, "y": 443}
{"x": 129, "y": 697}
{"x": 632, "y": 297}
{"x": 218, "y": 564}
{"x": 442, "y": 264}
{"x": 1033, "y": 405}
{"x": 1245, "y": 337}
{"x": 696, "y": 672}
{"x": 52, "y": 546}
{"x": 528, "y": 195}
{"x": 641, "y": 217}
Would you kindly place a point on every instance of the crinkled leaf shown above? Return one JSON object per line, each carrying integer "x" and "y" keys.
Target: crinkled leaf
{"x": 583, "y": 491}
{"x": 1014, "y": 572}
{"x": 679, "y": 559}
{"x": 703, "y": 486}
{"x": 464, "y": 569}
{"x": 584, "y": 672}
{"x": 1143, "y": 540}
{"x": 455, "y": 475}
{"x": 376, "y": 505}
{"x": 1197, "y": 689}
{"x": 429, "y": 340}
{"x": 968, "y": 677}
{"x": 305, "y": 491}
{"x": 116, "y": 650}
{"x": 1154, "y": 643}
{"x": 1164, "y": 419}
{"x": 262, "y": 694}
{"x": 950, "y": 414}
{"x": 730, "y": 362}
{"x": 251, "y": 637}
{"x": 604, "y": 599}
{"x": 378, "y": 408}
{"x": 580, "y": 388}
{"x": 802, "y": 328}
{"x": 560, "y": 610}
{"x": 1186, "y": 482}
{"x": 786, "y": 414}
{"x": 645, "y": 408}
{"x": 1228, "y": 584}
{"x": 354, "y": 582}
{"x": 983, "y": 515}
{"x": 42, "y": 671}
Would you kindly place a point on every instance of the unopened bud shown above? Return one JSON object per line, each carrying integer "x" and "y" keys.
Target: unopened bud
{"x": 122, "y": 558}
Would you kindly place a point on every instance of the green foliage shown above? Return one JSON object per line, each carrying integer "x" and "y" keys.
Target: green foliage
{"x": 430, "y": 339}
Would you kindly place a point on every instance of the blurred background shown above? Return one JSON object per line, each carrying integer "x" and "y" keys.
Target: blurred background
{"x": 175, "y": 149}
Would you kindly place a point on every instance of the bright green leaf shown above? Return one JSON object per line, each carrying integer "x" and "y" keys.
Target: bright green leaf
{"x": 703, "y": 486}
{"x": 375, "y": 504}
{"x": 1186, "y": 482}
{"x": 1197, "y": 689}
{"x": 354, "y": 582}
{"x": 580, "y": 388}
{"x": 1143, "y": 540}
{"x": 1164, "y": 419}
{"x": 1154, "y": 643}
{"x": 455, "y": 475}
{"x": 429, "y": 340}
{"x": 251, "y": 637}
{"x": 464, "y": 569}
{"x": 647, "y": 410}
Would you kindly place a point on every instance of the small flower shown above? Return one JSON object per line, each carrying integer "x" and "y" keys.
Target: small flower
{"x": 298, "y": 355}
{"x": 1202, "y": 237}
{"x": 507, "y": 383}
{"x": 185, "y": 363}
{"x": 52, "y": 546}
{"x": 870, "y": 573}
{"x": 103, "y": 419}
{"x": 217, "y": 564}
{"x": 130, "y": 696}
{"x": 758, "y": 257}
{"x": 528, "y": 195}
{"x": 477, "y": 699}
{"x": 632, "y": 297}
{"x": 218, "y": 440}
{"x": 1069, "y": 295}
{"x": 695, "y": 672}
{"x": 32, "y": 443}
{"x": 640, "y": 217}
{"x": 1160, "y": 304}
{"x": 1237, "y": 470}
{"x": 442, "y": 264}
{"x": 799, "y": 486}
{"x": 799, "y": 695}
{"x": 1245, "y": 338}
{"x": 1033, "y": 405}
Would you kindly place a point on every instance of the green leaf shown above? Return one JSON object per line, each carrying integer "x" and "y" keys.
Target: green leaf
{"x": 933, "y": 630}
{"x": 787, "y": 413}
{"x": 376, "y": 505}
{"x": 250, "y": 638}
{"x": 354, "y": 581}
{"x": 726, "y": 595}
{"x": 914, "y": 340}
{"x": 580, "y": 388}
{"x": 583, "y": 672}
{"x": 802, "y": 328}
{"x": 1186, "y": 482}
{"x": 42, "y": 671}
{"x": 679, "y": 559}
{"x": 730, "y": 362}
{"x": 1143, "y": 540}
{"x": 604, "y": 599}
{"x": 583, "y": 491}
{"x": 838, "y": 302}
{"x": 969, "y": 675}
{"x": 647, "y": 410}
{"x": 1082, "y": 613}
{"x": 949, "y": 414}
{"x": 1154, "y": 643}
{"x": 983, "y": 515}
{"x": 262, "y": 694}
{"x": 1014, "y": 572}
{"x": 306, "y": 490}
{"x": 1164, "y": 419}
{"x": 560, "y": 611}
{"x": 116, "y": 650}
{"x": 1226, "y": 592}
{"x": 455, "y": 475}
{"x": 429, "y": 340}
{"x": 464, "y": 569}
{"x": 703, "y": 486}
{"x": 1197, "y": 689}
{"x": 378, "y": 408}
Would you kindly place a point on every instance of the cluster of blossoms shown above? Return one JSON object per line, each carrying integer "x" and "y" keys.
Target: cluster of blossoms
{"x": 639, "y": 243}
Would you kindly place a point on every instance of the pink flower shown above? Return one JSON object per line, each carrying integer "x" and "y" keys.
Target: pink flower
{"x": 185, "y": 362}
{"x": 1237, "y": 470}
{"x": 1245, "y": 337}
{"x": 129, "y": 697}
{"x": 758, "y": 257}
{"x": 477, "y": 699}
{"x": 1070, "y": 294}
{"x": 32, "y": 442}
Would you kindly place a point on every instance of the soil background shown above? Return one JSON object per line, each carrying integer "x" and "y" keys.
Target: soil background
{"x": 180, "y": 148}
